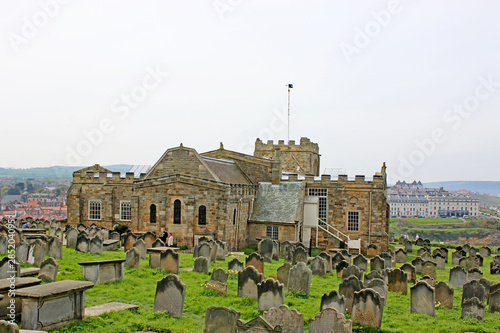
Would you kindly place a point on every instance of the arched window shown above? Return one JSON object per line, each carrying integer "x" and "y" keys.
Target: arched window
{"x": 202, "y": 215}
{"x": 177, "y": 211}
{"x": 234, "y": 216}
{"x": 152, "y": 213}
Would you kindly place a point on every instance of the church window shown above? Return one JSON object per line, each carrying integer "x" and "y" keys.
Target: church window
{"x": 177, "y": 211}
{"x": 152, "y": 213}
{"x": 94, "y": 210}
{"x": 202, "y": 215}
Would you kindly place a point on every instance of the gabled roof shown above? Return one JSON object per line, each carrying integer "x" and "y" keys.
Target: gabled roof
{"x": 278, "y": 203}
{"x": 10, "y": 198}
{"x": 227, "y": 171}
{"x": 96, "y": 168}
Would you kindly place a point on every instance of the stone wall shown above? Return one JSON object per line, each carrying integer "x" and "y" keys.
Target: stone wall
{"x": 258, "y": 230}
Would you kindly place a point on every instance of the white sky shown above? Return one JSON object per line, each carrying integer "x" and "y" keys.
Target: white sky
{"x": 227, "y": 75}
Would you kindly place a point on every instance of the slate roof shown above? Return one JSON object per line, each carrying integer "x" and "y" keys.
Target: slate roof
{"x": 278, "y": 203}
{"x": 10, "y": 198}
{"x": 227, "y": 171}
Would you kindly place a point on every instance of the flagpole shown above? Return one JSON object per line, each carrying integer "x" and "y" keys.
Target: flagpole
{"x": 289, "y": 87}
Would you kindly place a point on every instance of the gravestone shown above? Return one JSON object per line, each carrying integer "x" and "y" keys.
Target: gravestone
{"x": 347, "y": 288}
{"x": 8, "y": 327}
{"x": 299, "y": 255}
{"x": 220, "y": 319}
{"x": 221, "y": 250}
{"x": 48, "y": 270}
{"x": 132, "y": 258}
{"x": 372, "y": 251}
{"x": 472, "y": 252}
{"x": 299, "y": 278}
{"x": 257, "y": 324}
{"x": 421, "y": 251}
{"x": 219, "y": 287}
{"x": 289, "y": 319}
{"x": 367, "y": 308}
{"x": 283, "y": 273}
{"x": 408, "y": 247}
{"x": 422, "y": 299}
{"x": 114, "y": 235}
{"x": 96, "y": 245}
{"x": 429, "y": 268}
{"x": 170, "y": 293}
{"x": 201, "y": 265}
{"x": 8, "y": 267}
{"x": 400, "y": 256}
{"x": 456, "y": 256}
{"x": 458, "y": 277}
{"x": 328, "y": 261}
{"x": 318, "y": 267}
{"x": 248, "y": 279}
{"x": 340, "y": 268}
{"x": 372, "y": 275}
{"x": 427, "y": 279}
{"x": 417, "y": 263}
{"x": 329, "y": 320}
{"x": 485, "y": 251}
{"x": 338, "y": 257}
{"x": 266, "y": 249}
{"x": 444, "y": 294}
{"x": 270, "y": 294}
{"x": 377, "y": 264}
{"x": 235, "y": 265}
{"x": 379, "y": 286}
{"x": 473, "y": 289}
{"x": 149, "y": 238}
{"x": 55, "y": 248}
{"x": 158, "y": 243}
{"x": 480, "y": 260}
{"x": 22, "y": 250}
{"x": 39, "y": 251}
{"x": 494, "y": 301}
{"x": 426, "y": 256}
{"x": 352, "y": 271}
{"x": 82, "y": 243}
{"x": 169, "y": 260}
{"x": 255, "y": 260}
{"x": 219, "y": 274}
{"x": 129, "y": 240}
{"x": 495, "y": 266}
{"x": 474, "y": 308}
{"x": 289, "y": 253}
{"x": 140, "y": 245}
{"x": 361, "y": 262}
{"x": 3, "y": 243}
{"x": 469, "y": 263}
{"x": 487, "y": 287}
{"x": 333, "y": 299}
{"x": 474, "y": 274}
{"x": 411, "y": 272}
{"x": 398, "y": 281}
{"x": 283, "y": 248}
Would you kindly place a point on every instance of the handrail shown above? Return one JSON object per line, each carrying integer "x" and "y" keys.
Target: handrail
{"x": 328, "y": 226}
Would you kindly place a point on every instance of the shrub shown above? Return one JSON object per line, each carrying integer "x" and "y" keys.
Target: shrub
{"x": 121, "y": 228}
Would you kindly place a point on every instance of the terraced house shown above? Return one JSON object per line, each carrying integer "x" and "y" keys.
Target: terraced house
{"x": 239, "y": 198}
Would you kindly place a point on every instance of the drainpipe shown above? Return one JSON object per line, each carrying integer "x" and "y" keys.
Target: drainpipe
{"x": 370, "y": 221}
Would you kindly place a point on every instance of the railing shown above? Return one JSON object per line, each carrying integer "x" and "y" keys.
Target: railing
{"x": 332, "y": 231}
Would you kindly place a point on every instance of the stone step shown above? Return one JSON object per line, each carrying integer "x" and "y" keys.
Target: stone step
{"x": 97, "y": 310}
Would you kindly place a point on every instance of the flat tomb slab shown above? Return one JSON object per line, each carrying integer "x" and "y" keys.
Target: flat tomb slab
{"x": 103, "y": 271}
{"x": 97, "y": 310}
{"x": 101, "y": 262}
{"x": 161, "y": 249}
{"x": 30, "y": 271}
{"x": 54, "y": 289}
{"x": 20, "y": 282}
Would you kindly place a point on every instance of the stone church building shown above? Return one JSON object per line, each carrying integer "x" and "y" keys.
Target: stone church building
{"x": 237, "y": 198}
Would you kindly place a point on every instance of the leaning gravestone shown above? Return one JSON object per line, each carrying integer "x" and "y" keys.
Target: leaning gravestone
{"x": 474, "y": 274}
{"x": 39, "y": 251}
{"x": 132, "y": 258}
{"x": 235, "y": 265}
{"x": 48, "y": 270}
{"x": 469, "y": 263}
{"x": 417, "y": 263}
{"x": 221, "y": 250}
{"x": 283, "y": 273}
{"x": 439, "y": 259}
{"x": 220, "y": 319}
{"x": 255, "y": 260}
{"x": 458, "y": 277}
{"x": 361, "y": 262}
{"x": 96, "y": 245}
{"x": 201, "y": 265}
{"x": 7, "y": 266}
{"x": 422, "y": 299}
{"x": 494, "y": 301}
{"x": 248, "y": 279}
{"x": 299, "y": 255}
{"x": 474, "y": 308}
{"x": 352, "y": 271}
{"x": 444, "y": 294}
{"x": 426, "y": 256}
{"x": 219, "y": 274}
{"x": 329, "y": 320}
{"x": 170, "y": 293}
{"x": 140, "y": 245}
{"x": 347, "y": 288}
{"x": 3, "y": 243}
{"x": 82, "y": 243}
{"x": 283, "y": 248}
{"x": 55, "y": 248}
{"x": 266, "y": 249}
{"x": 456, "y": 256}
{"x": 372, "y": 275}
{"x": 367, "y": 308}
{"x": 22, "y": 250}
{"x": 398, "y": 281}
{"x": 318, "y": 267}
{"x": 336, "y": 259}
{"x": 377, "y": 264}
{"x": 379, "y": 286}
{"x": 333, "y": 299}
{"x": 290, "y": 320}
{"x": 299, "y": 278}
{"x": 270, "y": 294}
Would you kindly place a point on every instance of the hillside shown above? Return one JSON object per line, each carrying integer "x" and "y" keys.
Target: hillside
{"x": 54, "y": 172}
{"x": 490, "y": 187}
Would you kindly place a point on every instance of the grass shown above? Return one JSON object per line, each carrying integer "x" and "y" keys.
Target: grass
{"x": 139, "y": 286}
{"x": 427, "y": 220}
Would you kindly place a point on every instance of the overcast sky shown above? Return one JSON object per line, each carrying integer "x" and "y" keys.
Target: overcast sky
{"x": 415, "y": 84}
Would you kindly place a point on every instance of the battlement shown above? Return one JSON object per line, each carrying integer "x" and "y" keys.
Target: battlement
{"x": 103, "y": 177}
{"x": 305, "y": 145}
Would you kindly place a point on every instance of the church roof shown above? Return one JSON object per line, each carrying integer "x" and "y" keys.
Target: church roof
{"x": 278, "y": 203}
{"x": 227, "y": 171}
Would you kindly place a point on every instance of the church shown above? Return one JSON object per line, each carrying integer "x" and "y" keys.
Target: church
{"x": 238, "y": 198}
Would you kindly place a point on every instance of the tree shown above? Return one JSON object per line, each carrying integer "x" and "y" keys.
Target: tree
{"x": 13, "y": 191}
{"x": 5, "y": 189}
{"x": 19, "y": 186}
{"x": 29, "y": 187}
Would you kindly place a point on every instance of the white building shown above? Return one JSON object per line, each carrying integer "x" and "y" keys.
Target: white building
{"x": 413, "y": 200}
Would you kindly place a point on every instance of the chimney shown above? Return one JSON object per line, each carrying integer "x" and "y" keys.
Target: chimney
{"x": 276, "y": 169}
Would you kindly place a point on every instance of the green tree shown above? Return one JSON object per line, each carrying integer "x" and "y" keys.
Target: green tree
{"x": 13, "y": 191}
{"x": 5, "y": 189}
{"x": 29, "y": 187}
{"x": 19, "y": 186}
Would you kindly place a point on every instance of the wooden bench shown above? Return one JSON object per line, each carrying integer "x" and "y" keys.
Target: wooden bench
{"x": 19, "y": 283}
{"x": 53, "y": 304}
{"x": 103, "y": 271}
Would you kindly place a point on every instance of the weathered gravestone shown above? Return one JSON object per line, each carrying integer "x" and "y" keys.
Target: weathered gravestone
{"x": 494, "y": 301}
{"x": 495, "y": 265}
{"x": 469, "y": 263}
{"x": 149, "y": 238}
{"x": 444, "y": 294}
{"x": 201, "y": 265}
{"x": 408, "y": 247}
{"x": 474, "y": 274}
{"x": 422, "y": 299}
{"x": 169, "y": 260}
{"x": 411, "y": 272}
{"x": 487, "y": 287}
{"x": 257, "y": 324}
{"x": 328, "y": 261}
{"x": 48, "y": 270}
{"x": 170, "y": 293}
{"x": 219, "y": 287}
{"x": 220, "y": 319}
{"x": 55, "y": 248}
{"x": 398, "y": 281}
{"x": 318, "y": 267}
{"x": 485, "y": 251}
{"x": 299, "y": 278}
{"x": 377, "y": 264}
{"x": 429, "y": 268}
{"x": 456, "y": 256}
{"x": 299, "y": 255}
{"x": 400, "y": 256}
{"x": 219, "y": 274}
{"x": 372, "y": 251}
{"x": 82, "y": 243}
{"x": 132, "y": 258}
{"x": 329, "y": 320}
{"x": 270, "y": 294}
{"x": 114, "y": 235}
{"x": 347, "y": 288}
{"x": 474, "y": 308}
{"x": 417, "y": 263}
{"x": 39, "y": 252}
{"x": 140, "y": 245}
{"x": 352, "y": 271}
{"x": 289, "y": 253}
{"x": 379, "y": 286}
{"x": 96, "y": 245}
{"x": 290, "y": 320}
{"x": 22, "y": 250}
{"x": 255, "y": 260}
{"x": 221, "y": 250}
{"x": 439, "y": 259}
{"x": 367, "y": 308}
{"x": 3, "y": 243}
{"x": 248, "y": 279}
{"x": 158, "y": 243}
{"x": 361, "y": 262}
{"x": 283, "y": 248}
{"x": 426, "y": 256}
{"x": 458, "y": 277}
{"x": 333, "y": 299}
{"x": 266, "y": 249}
{"x": 372, "y": 275}
{"x": 8, "y": 327}
{"x": 129, "y": 240}
{"x": 473, "y": 289}
{"x": 472, "y": 252}
{"x": 282, "y": 274}
{"x": 235, "y": 265}
{"x": 336, "y": 259}
{"x": 9, "y": 267}
{"x": 421, "y": 251}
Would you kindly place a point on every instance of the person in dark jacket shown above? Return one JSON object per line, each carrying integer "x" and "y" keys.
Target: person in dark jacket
{"x": 163, "y": 235}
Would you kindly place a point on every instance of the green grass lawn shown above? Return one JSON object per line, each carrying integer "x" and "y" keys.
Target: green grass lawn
{"x": 139, "y": 287}
{"x": 427, "y": 220}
